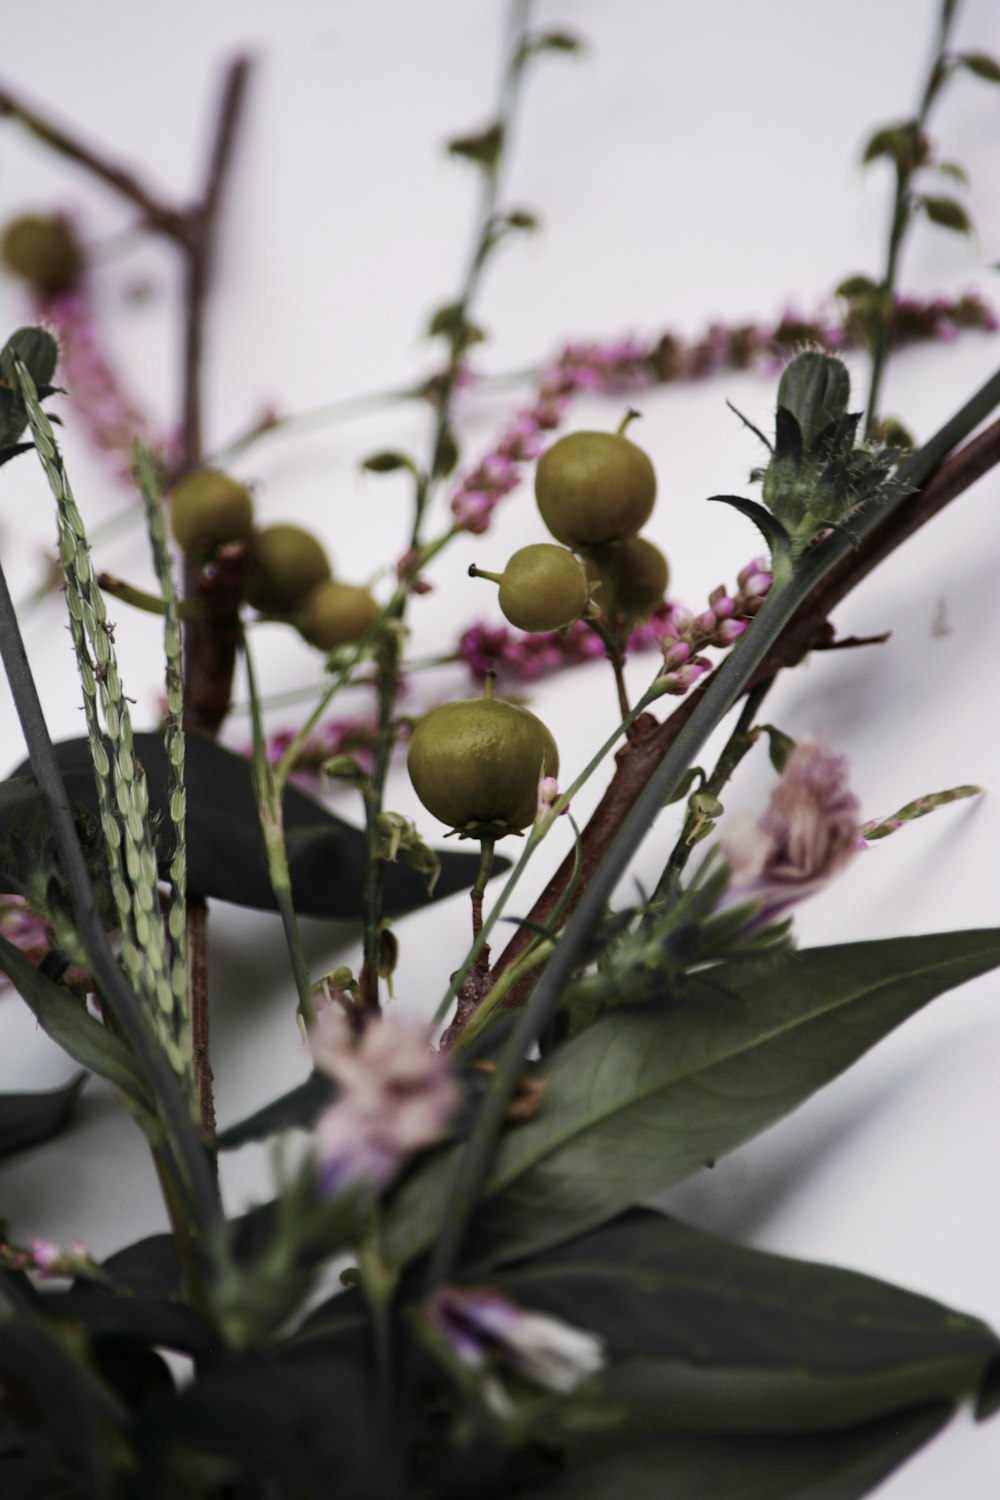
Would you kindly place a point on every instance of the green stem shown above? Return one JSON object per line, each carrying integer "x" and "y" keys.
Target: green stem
{"x": 739, "y": 743}
{"x": 902, "y": 215}
{"x": 720, "y": 692}
{"x": 388, "y": 667}
{"x": 269, "y": 792}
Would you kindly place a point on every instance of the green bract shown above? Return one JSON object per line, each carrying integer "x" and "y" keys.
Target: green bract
{"x": 476, "y": 765}
{"x": 335, "y": 614}
{"x": 593, "y": 488}
{"x": 209, "y": 509}
{"x": 286, "y": 563}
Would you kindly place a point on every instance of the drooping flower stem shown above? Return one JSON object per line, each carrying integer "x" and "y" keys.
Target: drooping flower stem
{"x": 387, "y": 671}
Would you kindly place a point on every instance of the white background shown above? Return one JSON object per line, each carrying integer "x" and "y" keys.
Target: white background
{"x": 699, "y": 162}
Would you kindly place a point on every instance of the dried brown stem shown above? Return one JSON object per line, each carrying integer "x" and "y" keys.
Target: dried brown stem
{"x": 157, "y": 214}
{"x": 809, "y": 630}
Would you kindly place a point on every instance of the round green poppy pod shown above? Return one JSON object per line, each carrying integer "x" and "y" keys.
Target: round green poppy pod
{"x": 43, "y": 251}
{"x": 335, "y": 614}
{"x": 543, "y": 587}
{"x": 639, "y": 576}
{"x": 286, "y": 563}
{"x": 594, "y": 488}
{"x": 476, "y": 765}
{"x": 208, "y": 509}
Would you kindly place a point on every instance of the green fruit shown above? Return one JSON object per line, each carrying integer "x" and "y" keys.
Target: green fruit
{"x": 639, "y": 575}
{"x": 42, "y": 250}
{"x": 209, "y": 509}
{"x": 476, "y": 765}
{"x": 286, "y": 563}
{"x": 543, "y": 587}
{"x": 593, "y": 488}
{"x": 335, "y": 614}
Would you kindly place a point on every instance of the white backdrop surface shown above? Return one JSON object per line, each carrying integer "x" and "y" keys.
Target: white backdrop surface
{"x": 699, "y": 162}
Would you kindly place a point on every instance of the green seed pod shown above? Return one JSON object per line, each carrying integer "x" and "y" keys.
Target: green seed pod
{"x": 594, "y": 488}
{"x": 209, "y": 509}
{"x": 543, "y": 587}
{"x": 639, "y": 575}
{"x": 335, "y": 614}
{"x": 286, "y": 563}
{"x": 43, "y": 251}
{"x": 476, "y": 765}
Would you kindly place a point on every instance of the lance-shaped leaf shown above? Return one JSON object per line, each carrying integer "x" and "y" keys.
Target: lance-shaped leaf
{"x": 703, "y": 1335}
{"x": 815, "y": 1466}
{"x": 226, "y": 854}
{"x": 29, "y": 1119}
{"x": 645, "y": 1097}
{"x": 68, "y": 1022}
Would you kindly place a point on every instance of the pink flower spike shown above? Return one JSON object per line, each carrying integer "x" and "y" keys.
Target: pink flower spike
{"x": 730, "y": 631}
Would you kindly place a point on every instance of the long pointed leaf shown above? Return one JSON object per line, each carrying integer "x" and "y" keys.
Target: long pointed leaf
{"x": 704, "y": 1335}
{"x": 645, "y": 1098}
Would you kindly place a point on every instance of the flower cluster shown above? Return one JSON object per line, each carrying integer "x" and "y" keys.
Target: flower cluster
{"x": 809, "y": 832}
{"x": 720, "y": 625}
{"x": 395, "y": 1095}
{"x": 20, "y": 926}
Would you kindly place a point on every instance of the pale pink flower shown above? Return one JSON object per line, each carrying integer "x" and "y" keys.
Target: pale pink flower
{"x": 808, "y": 834}
{"x": 395, "y": 1095}
{"x": 486, "y": 1330}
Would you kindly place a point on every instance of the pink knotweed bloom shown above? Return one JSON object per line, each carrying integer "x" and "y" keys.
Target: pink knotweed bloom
{"x": 808, "y": 834}
{"x": 395, "y": 1096}
{"x": 484, "y": 1328}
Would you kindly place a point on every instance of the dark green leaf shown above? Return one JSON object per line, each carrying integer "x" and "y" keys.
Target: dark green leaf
{"x": 300, "y": 1108}
{"x": 856, "y": 286}
{"x": 11, "y": 450}
{"x": 953, "y": 170}
{"x": 703, "y": 1335}
{"x": 555, "y": 41}
{"x": 67, "y": 1021}
{"x": 387, "y": 462}
{"x": 980, "y": 64}
{"x": 29, "y": 1119}
{"x": 948, "y": 213}
{"x": 817, "y": 1466}
{"x": 644, "y": 1098}
{"x": 902, "y": 144}
{"x": 125, "y": 1318}
{"x": 37, "y": 349}
{"x": 298, "y": 1421}
{"x": 40, "y": 1374}
{"x": 483, "y": 148}
{"x": 225, "y": 846}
